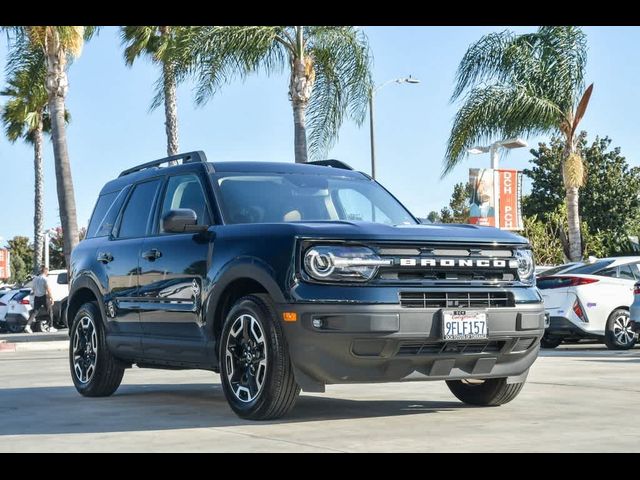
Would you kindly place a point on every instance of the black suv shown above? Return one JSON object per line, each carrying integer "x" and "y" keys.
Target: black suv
{"x": 283, "y": 276}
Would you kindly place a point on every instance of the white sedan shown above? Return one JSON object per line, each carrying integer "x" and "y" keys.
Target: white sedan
{"x": 591, "y": 300}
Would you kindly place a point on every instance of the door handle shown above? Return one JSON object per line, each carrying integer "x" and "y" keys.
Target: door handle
{"x": 152, "y": 254}
{"x": 105, "y": 257}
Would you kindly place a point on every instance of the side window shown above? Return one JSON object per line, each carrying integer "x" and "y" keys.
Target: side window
{"x": 185, "y": 191}
{"x": 635, "y": 270}
{"x": 625, "y": 273}
{"x": 63, "y": 278}
{"x": 135, "y": 217}
{"x": 358, "y": 207}
{"x": 103, "y": 219}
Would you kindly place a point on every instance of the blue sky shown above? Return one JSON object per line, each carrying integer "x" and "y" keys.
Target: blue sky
{"x": 112, "y": 129}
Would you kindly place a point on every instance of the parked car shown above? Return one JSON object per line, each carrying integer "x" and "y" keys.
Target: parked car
{"x": 591, "y": 301}
{"x": 4, "y": 306}
{"x": 285, "y": 276}
{"x": 19, "y": 308}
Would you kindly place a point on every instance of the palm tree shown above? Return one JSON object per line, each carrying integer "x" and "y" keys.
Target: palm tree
{"x": 526, "y": 84}
{"x": 329, "y": 73}
{"x": 59, "y": 44}
{"x": 161, "y": 44}
{"x": 25, "y": 116}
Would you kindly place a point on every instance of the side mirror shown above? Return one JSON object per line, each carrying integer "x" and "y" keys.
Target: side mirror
{"x": 181, "y": 220}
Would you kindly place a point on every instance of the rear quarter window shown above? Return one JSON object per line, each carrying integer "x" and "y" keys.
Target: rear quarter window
{"x": 105, "y": 213}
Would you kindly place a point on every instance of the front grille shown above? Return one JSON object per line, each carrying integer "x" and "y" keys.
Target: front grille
{"x": 446, "y": 263}
{"x": 435, "y": 348}
{"x": 456, "y": 299}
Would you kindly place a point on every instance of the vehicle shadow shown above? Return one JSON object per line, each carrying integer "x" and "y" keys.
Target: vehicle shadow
{"x": 57, "y": 410}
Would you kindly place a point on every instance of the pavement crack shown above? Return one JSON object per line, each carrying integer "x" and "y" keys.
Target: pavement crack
{"x": 557, "y": 384}
{"x": 291, "y": 442}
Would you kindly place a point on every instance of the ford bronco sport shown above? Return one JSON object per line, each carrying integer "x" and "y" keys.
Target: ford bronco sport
{"x": 284, "y": 277}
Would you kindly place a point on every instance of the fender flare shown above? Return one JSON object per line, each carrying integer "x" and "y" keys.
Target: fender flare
{"x": 86, "y": 280}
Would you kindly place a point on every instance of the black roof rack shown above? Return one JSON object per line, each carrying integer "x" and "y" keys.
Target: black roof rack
{"x": 189, "y": 157}
{"x": 332, "y": 163}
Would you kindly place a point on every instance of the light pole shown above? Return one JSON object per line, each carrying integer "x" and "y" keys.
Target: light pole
{"x": 372, "y": 94}
{"x": 494, "y": 148}
{"x": 51, "y": 231}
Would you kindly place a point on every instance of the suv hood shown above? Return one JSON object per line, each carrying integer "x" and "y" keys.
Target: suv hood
{"x": 435, "y": 232}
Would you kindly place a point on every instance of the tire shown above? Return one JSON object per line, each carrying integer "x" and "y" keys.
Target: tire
{"x": 550, "y": 342}
{"x": 488, "y": 393}
{"x": 95, "y": 372}
{"x": 618, "y": 334}
{"x": 14, "y": 327}
{"x": 256, "y": 386}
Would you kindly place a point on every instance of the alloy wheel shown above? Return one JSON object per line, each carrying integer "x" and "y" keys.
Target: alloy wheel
{"x": 85, "y": 349}
{"x": 246, "y": 358}
{"x": 622, "y": 331}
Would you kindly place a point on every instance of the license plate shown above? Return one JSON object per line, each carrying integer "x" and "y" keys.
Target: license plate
{"x": 464, "y": 325}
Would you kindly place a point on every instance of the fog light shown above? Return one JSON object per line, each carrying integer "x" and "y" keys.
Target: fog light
{"x": 317, "y": 323}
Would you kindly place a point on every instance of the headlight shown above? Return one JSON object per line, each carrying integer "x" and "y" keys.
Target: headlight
{"x": 342, "y": 263}
{"x": 526, "y": 267}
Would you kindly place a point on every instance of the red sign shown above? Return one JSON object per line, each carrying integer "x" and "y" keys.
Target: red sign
{"x": 5, "y": 267}
{"x": 510, "y": 217}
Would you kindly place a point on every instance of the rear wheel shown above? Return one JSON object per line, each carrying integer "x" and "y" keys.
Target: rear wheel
{"x": 95, "y": 372}
{"x": 619, "y": 334}
{"x": 255, "y": 369}
{"x": 15, "y": 327}
{"x": 489, "y": 392}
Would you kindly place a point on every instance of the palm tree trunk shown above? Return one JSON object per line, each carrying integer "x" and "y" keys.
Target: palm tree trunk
{"x": 300, "y": 87}
{"x": 57, "y": 89}
{"x": 38, "y": 213}
{"x": 573, "y": 212}
{"x": 170, "y": 101}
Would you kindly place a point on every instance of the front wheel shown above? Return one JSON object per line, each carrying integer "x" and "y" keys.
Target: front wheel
{"x": 256, "y": 372}
{"x": 489, "y": 392}
{"x": 619, "y": 334}
{"x": 95, "y": 372}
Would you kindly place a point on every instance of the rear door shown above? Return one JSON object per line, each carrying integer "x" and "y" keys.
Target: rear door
{"x": 173, "y": 269}
{"x": 121, "y": 255}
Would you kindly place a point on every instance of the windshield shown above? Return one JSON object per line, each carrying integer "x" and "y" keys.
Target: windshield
{"x": 274, "y": 197}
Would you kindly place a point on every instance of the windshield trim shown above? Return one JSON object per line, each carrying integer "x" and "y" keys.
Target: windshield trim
{"x": 215, "y": 176}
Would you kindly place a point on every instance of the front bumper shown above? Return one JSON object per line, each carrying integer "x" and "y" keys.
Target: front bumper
{"x": 378, "y": 343}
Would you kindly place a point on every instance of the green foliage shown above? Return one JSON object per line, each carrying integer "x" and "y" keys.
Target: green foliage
{"x": 610, "y": 200}
{"x": 56, "y": 248}
{"x": 548, "y": 236}
{"x": 340, "y": 59}
{"x": 514, "y": 85}
{"x": 21, "y": 258}
{"x": 458, "y": 209}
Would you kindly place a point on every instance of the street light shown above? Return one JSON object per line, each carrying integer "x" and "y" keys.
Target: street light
{"x": 372, "y": 93}
{"x": 51, "y": 231}
{"x": 495, "y": 146}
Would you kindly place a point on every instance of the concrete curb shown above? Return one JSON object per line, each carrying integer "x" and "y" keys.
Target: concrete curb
{"x": 33, "y": 346}
{"x": 34, "y": 337}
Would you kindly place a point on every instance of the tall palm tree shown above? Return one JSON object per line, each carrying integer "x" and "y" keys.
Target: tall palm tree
{"x": 162, "y": 44}
{"x": 59, "y": 44}
{"x": 526, "y": 84}
{"x": 25, "y": 117}
{"x": 329, "y": 73}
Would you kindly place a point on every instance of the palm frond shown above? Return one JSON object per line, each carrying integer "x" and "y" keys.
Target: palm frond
{"x": 342, "y": 61}
{"x": 498, "y": 111}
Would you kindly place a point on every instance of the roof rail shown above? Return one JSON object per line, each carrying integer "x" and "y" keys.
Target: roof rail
{"x": 332, "y": 163}
{"x": 189, "y": 157}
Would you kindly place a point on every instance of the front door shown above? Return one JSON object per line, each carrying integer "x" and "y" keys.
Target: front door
{"x": 173, "y": 269}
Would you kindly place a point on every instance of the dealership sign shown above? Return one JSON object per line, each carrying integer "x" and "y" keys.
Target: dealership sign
{"x": 496, "y": 198}
{"x": 5, "y": 266}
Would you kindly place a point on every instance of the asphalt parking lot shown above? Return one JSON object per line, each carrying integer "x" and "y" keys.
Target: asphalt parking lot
{"x": 577, "y": 399}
